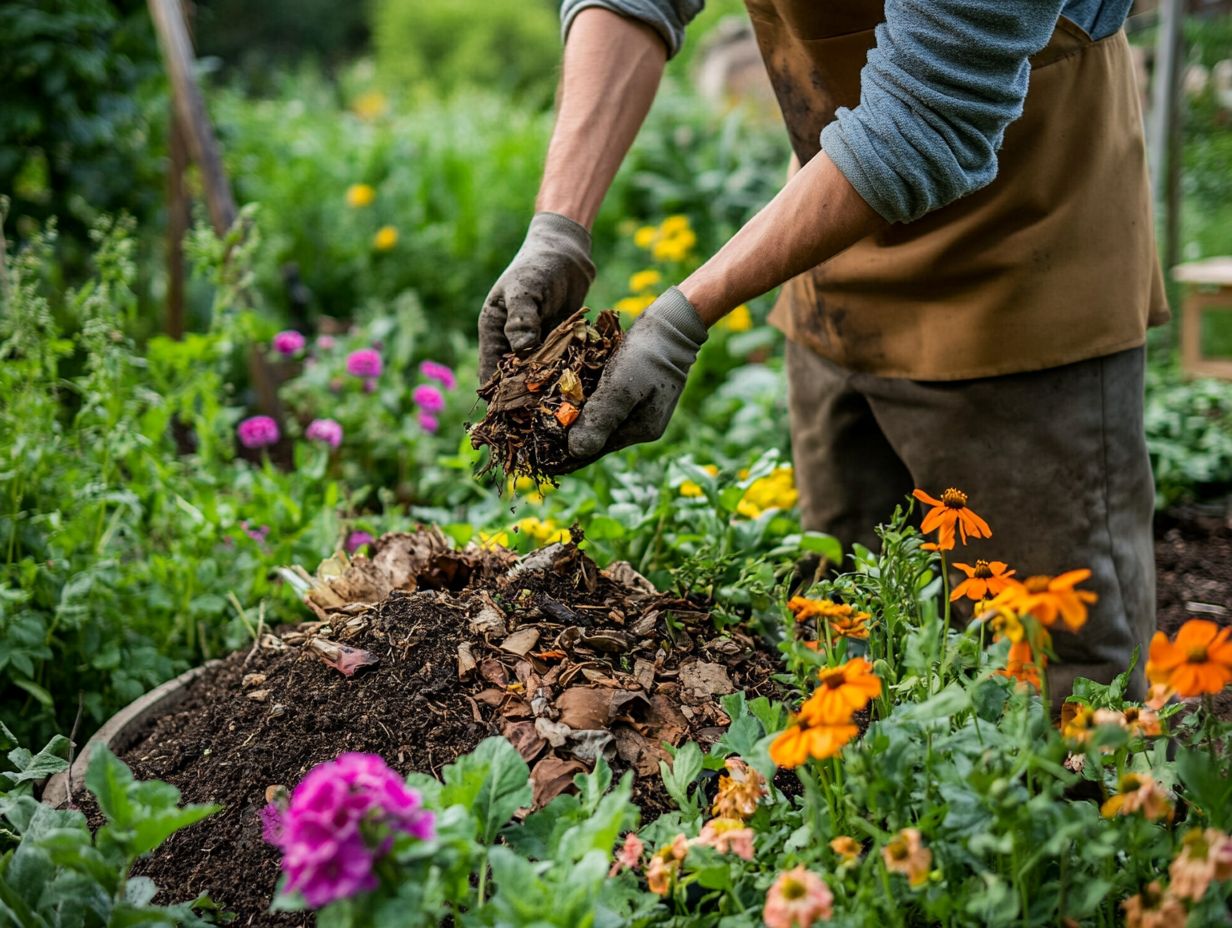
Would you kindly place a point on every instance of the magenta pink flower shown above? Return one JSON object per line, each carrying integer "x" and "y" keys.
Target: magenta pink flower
{"x": 440, "y": 373}
{"x": 341, "y": 818}
{"x": 366, "y": 362}
{"x": 289, "y": 342}
{"x": 258, "y": 432}
{"x": 326, "y": 430}
{"x": 256, "y": 534}
{"x": 429, "y": 422}
{"x": 356, "y": 540}
{"x": 428, "y": 398}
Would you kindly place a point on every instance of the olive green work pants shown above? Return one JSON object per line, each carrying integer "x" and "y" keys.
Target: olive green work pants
{"x": 1055, "y": 460}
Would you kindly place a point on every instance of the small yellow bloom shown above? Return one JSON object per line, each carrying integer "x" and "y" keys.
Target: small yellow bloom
{"x": 673, "y": 225}
{"x": 385, "y": 239}
{"x": 645, "y": 236}
{"x": 370, "y": 105}
{"x": 634, "y": 305}
{"x": 543, "y": 531}
{"x": 358, "y": 195}
{"x": 774, "y": 491}
{"x": 674, "y": 247}
{"x": 738, "y": 320}
{"x": 692, "y": 487}
{"x": 644, "y": 280}
{"x": 493, "y": 540}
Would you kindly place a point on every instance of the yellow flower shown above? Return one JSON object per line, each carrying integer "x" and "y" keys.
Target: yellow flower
{"x": 386, "y": 238}
{"x": 674, "y": 224}
{"x": 644, "y": 280}
{"x": 358, "y": 195}
{"x": 545, "y": 532}
{"x": 370, "y": 105}
{"x": 692, "y": 487}
{"x": 774, "y": 491}
{"x": 645, "y": 236}
{"x": 674, "y": 247}
{"x": 634, "y": 305}
{"x": 738, "y": 320}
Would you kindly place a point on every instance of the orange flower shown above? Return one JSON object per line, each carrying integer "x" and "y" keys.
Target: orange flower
{"x": 1158, "y": 695}
{"x": 1020, "y": 664}
{"x": 664, "y": 865}
{"x": 800, "y": 741}
{"x": 948, "y": 513}
{"x": 1194, "y": 867}
{"x": 1077, "y": 719}
{"x": 1138, "y": 792}
{"x": 739, "y": 790}
{"x": 854, "y": 626}
{"x": 843, "y": 691}
{"x": 847, "y": 847}
{"x": 1047, "y": 597}
{"x": 1199, "y": 661}
{"x": 986, "y": 578}
{"x": 1153, "y": 908}
{"x": 1142, "y": 721}
{"x": 804, "y": 609}
{"x": 906, "y": 854}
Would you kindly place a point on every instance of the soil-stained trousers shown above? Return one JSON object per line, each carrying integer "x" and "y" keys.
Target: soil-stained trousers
{"x": 1055, "y": 460}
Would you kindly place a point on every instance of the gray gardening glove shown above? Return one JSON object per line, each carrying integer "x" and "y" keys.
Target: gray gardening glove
{"x": 546, "y": 282}
{"x": 642, "y": 382}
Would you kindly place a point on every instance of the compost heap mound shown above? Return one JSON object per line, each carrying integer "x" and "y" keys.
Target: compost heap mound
{"x": 417, "y": 654}
{"x": 533, "y": 399}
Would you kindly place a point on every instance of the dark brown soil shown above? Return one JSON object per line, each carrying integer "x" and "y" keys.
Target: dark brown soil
{"x": 606, "y": 660}
{"x": 1193, "y": 557}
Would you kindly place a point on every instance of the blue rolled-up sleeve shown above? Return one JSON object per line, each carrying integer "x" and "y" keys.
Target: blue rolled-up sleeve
{"x": 939, "y": 89}
{"x": 666, "y": 17}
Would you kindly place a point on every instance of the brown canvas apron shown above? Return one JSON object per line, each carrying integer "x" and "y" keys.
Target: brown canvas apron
{"x": 1053, "y": 262}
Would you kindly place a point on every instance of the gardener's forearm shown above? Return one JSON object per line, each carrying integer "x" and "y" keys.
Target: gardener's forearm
{"x": 612, "y": 68}
{"x": 814, "y": 217}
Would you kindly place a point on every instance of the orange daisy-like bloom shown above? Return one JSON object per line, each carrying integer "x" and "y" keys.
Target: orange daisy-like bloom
{"x": 1158, "y": 695}
{"x": 740, "y": 789}
{"x": 1021, "y": 665}
{"x": 665, "y": 864}
{"x": 804, "y": 609}
{"x": 986, "y": 578}
{"x": 1142, "y": 721}
{"x": 844, "y": 690}
{"x": 1138, "y": 792}
{"x": 800, "y": 741}
{"x": 949, "y": 515}
{"x": 1153, "y": 908}
{"x": 1199, "y": 661}
{"x": 853, "y": 626}
{"x": 1077, "y": 720}
{"x": 905, "y": 853}
{"x": 1046, "y": 598}
{"x": 847, "y": 847}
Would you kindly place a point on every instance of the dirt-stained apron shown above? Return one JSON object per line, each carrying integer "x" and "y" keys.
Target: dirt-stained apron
{"x": 1051, "y": 263}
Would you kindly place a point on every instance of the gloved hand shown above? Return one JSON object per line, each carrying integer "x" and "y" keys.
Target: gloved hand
{"x": 642, "y": 382}
{"x": 546, "y": 281}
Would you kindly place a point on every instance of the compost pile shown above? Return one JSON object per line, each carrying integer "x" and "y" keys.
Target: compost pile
{"x": 532, "y": 400}
{"x": 420, "y": 652}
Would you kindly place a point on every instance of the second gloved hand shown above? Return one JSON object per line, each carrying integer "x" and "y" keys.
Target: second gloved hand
{"x": 642, "y": 382}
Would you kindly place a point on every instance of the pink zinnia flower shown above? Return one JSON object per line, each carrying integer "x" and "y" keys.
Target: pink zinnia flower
{"x": 341, "y": 818}
{"x": 356, "y": 540}
{"x": 727, "y": 836}
{"x": 440, "y": 373}
{"x": 326, "y": 430}
{"x": 797, "y": 899}
{"x": 366, "y": 362}
{"x": 429, "y": 422}
{"x": 629, "y": 857}
{"x": 428, "y": 398}
{"x": 289, "y": 342}
{"x": 258, "y": 432}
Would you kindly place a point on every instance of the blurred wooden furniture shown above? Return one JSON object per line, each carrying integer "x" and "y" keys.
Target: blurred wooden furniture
{"x": 1208, "y": 288}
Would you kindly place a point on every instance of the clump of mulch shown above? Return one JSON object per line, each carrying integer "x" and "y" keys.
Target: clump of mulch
{"x": 532, "y": 400}
{"x": 417, "y": 654}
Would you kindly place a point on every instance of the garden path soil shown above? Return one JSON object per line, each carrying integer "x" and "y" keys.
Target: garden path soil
{"x": 606, "y": 660}
{"x": 563, "y": 659}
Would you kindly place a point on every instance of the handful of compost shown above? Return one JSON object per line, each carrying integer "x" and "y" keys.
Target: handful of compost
{"x": 534, "y": 397}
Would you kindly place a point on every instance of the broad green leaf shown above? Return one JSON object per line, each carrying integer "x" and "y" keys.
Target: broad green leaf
{"x": 108, "y": 778}
{"x": 493, "y": 781}
{"x": 43, "y": 764}
{"x": 153, "y": 830}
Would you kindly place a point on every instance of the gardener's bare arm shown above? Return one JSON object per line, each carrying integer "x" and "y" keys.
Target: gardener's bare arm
{"x": 612, "y": 68}
{"x": 814, "y": 217}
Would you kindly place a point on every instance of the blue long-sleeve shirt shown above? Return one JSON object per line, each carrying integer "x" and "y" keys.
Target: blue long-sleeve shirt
{"x": 939, "y": 89}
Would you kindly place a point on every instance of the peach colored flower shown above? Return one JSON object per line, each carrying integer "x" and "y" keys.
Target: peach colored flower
{"x": 1153, "y": 908}
{"x": 1193, "y": 868}
{"x": 797, "y": 899}
{"x": 847, "y": 847}
{"x": 665, "y": 864}
{"x": 844, "y": 690}
{"x": 727, "y": 836}
{"x": 1138, "y": 792}
{"x": 1158, "y": 696}
{"x": 629, "y": 857}
{"x": 1221, "y": 854}
{"x": 905, "y": 853}
{"x": 1142, "y": 722}
{"x": 950, "y": 513}
{"x": 740, "y": 789}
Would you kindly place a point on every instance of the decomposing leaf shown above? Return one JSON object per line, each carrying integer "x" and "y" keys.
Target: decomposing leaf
{"x": 521, "y": 641}
{"x": 523, "y": 736}
{"x": 252, "y": 679}
{"x": 589, "y": 746}
{"x": 466, "y": 660}
{"x": 705, "y": 678}
{"x": 552, "y": 776}
{"x": 343, "y": 658}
